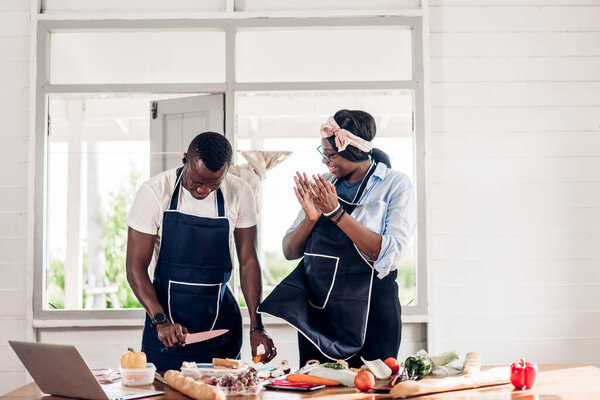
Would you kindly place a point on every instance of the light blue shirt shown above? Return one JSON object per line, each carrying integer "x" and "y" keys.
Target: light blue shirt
{"x": 388, "y": 208}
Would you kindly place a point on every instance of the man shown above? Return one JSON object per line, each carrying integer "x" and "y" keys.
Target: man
{"x": 183, "y": 221}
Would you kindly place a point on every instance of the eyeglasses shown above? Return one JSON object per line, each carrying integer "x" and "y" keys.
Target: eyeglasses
{"x": 329, "y": 156}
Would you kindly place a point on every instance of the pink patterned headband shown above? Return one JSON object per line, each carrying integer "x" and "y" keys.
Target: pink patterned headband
{"x": 343, "y": 137}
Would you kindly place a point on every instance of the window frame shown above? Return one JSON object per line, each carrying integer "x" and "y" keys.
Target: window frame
{"x": 45, "y": 25}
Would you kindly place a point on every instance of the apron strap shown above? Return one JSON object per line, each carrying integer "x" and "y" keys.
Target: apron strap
{"x": 220, "y": 203}
{"x": 360, "y": 191}
{"x": 175, "y": 195}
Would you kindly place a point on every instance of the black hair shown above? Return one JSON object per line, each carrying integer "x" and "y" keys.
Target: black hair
{"x": 212, "y": 148}
{"x": 362, "y": 124}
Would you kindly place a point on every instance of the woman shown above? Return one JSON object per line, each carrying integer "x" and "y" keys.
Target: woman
{"x": 352, "y": 230}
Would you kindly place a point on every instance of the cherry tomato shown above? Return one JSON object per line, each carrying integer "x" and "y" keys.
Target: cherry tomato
{"x": 364, "y": 381}
{"x": 393, "y": 364}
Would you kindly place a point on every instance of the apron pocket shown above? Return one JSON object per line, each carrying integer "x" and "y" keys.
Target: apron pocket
{"x": 194, "y": 305}
{"x": 320, "y": 271}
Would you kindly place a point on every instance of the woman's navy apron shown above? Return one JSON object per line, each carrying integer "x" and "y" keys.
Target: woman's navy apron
{"x": 327, "y": 297}
{"x": 190, "y": 280}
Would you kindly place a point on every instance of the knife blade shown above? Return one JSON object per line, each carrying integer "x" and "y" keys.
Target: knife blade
{"x": 202, "y": 336}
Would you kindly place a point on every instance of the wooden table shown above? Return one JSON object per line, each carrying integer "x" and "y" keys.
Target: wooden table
{"x": 555, "y": 382}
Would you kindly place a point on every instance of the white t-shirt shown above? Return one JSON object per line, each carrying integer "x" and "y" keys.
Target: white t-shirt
{"x": 154, "y": 197}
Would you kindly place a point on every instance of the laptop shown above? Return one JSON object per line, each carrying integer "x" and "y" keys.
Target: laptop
{"x": 61, "y": 371}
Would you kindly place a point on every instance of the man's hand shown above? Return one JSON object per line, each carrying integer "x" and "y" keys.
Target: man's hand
{"x": 171, "y": 335}
{"x": 258, "y": 337}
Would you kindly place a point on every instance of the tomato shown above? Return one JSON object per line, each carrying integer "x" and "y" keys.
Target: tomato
{"x": 364, "y": 381}
{"x": 393, "y": 364}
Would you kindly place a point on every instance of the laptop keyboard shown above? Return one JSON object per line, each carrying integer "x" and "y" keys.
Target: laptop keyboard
{"x": 115, "y": 393}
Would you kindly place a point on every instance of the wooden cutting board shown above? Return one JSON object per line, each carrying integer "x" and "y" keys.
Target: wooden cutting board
{"x": 494, "y": 376}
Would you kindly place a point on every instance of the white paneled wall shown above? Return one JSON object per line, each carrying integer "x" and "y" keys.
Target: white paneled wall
{"x": 514, "y": 175}
{"x": 14, "y": 151}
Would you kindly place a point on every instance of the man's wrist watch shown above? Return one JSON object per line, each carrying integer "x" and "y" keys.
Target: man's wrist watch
{"x": 159, "y": 318}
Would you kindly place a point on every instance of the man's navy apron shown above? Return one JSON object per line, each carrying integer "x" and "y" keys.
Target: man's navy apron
{"x": 327, "y": 297}
{"x": 190, "y": 280}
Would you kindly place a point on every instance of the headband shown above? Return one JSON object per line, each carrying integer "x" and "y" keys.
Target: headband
{"x": 343, "y": 137}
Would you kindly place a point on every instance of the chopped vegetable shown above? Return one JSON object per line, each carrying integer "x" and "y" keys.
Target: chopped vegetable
{"x": 285, "y": 366}
{"x": 257, "y": 358}
{"x": 312, "y": 379}
{"x": 417, "y": 366}
{"x": 335, "y": 365}
{"x": 264, "y": 373}
{"x": 444, "y": 358}
{"x": 443, "y": 364}
{"x": 343, "y": 376}
{"x": 378, "y": 368}
{"x": 238, "y": 383}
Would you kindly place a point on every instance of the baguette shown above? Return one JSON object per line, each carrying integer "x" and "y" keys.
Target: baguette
{"x": 472, "y": 364}
{"x": 496, "y": 376}
{"x": 227, "y": 363}
{"x": 194, "y": 389}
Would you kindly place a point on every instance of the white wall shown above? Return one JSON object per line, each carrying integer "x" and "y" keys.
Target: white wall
{"x": 14, "y": 150}
{"x": 514, "y": 173}
{"x": 514, "y": 191}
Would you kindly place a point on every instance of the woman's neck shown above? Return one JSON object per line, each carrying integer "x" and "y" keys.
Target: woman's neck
{"x": 359, "y": 172}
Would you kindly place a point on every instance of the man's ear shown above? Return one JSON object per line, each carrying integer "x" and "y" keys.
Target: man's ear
{"x": 184, "y": 158}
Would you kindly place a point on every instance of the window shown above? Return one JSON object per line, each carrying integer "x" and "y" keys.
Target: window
{"x": 274, "y": 121}
{"x": 278, "y": 82}
{"x": 137, "y": 57}
{"x": 99, "y": 145}
{"x": 323, "y": 54}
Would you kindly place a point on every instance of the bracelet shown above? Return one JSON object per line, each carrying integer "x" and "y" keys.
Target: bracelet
{"x": 332, "y": 212}
{"x": 257, "y": 328}
{"x": 335, "y": 221}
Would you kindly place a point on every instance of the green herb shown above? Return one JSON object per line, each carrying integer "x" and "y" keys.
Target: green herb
{"x": 335, "y": 365}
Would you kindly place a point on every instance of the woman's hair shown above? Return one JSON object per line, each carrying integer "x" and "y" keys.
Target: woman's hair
{"x": 361, "y": 124}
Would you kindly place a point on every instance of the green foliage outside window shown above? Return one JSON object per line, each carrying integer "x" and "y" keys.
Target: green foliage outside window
{"x": 114, "y": 242}
{"x": 115, "y": 239}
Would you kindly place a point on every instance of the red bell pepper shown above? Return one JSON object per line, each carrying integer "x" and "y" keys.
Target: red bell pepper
{"x": 523, "y": 374}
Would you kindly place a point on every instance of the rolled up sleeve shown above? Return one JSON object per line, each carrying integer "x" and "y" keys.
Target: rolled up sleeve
{"x": 400, "y": 222}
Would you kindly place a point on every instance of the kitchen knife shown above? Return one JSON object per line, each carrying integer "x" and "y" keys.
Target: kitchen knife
{"x": 202, "y": 336}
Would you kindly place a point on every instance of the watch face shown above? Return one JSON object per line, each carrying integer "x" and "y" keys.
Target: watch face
{"x": 159, "y": 318}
